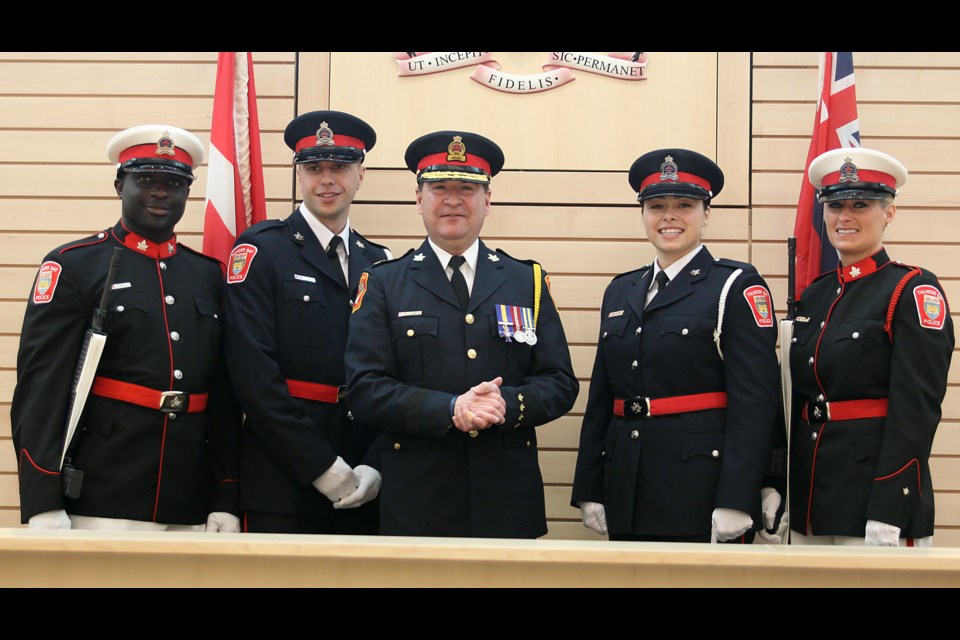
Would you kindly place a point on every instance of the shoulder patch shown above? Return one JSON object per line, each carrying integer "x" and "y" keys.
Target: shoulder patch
{"x": 734, "y": 264}
{"x": 361, "y": 291}
{"x": 239, "y": 263}
{"x": 931, "y": 307}
{"x": 758, "y": 299}
{"x": 46, "y": 284}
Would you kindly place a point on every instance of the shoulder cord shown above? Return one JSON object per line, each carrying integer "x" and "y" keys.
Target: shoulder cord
{"x": 723, "y": 304}
{"x": 888, "y": 325}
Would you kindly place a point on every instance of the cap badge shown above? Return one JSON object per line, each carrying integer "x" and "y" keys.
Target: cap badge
{"x": 456, "y": 150}
{"x": 324, "y": 135}
{"x": 668, "y": 170}
{"x": 165, "y": 146}
{"x": 848, "y": 171}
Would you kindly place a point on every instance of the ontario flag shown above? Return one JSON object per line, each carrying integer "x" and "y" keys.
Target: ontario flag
{"x": 836, "y": 125}
{"x": 235, "y": 195}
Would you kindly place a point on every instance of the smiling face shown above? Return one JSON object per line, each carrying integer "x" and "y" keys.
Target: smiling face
{"x": 152, "y": 203}
{"x": 453, "y": 212}
{"x": 855, "y": 227}
{"x": 674, "y": 225}
{"x": 328, "y": 190}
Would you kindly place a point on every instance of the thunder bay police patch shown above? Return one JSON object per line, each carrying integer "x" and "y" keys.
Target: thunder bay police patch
{"x": 238, "y": 266}
{"x": 46, "y": 284}
{"x": 759, "y": 300}
{"x": 931, "y": 307}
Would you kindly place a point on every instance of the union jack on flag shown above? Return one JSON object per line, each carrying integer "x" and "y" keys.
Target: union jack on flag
{"x": 836, "y": 125}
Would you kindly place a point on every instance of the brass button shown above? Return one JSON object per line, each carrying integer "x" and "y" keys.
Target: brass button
{"x": 469, "y": 318}
{"x": 396, "y": 446}
{"x": 634, "y": 434}
{"x": 520, "y": 396}
{"x": 473, "y": 434}
{"x": 472, "y": 354}
{"x": 522, "y": 407}
{"x": 410, "y": 333}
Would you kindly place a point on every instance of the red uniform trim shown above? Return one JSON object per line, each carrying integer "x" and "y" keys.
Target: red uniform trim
{"x": 338, "y": 141}
{"x": 901, "y": 470}
{"x": 150, "y": 151}
{"x": 689, "y": 178}
{"x": 142, "y": 396}
{"x": 85, "y": 244}
{"x": 313, "y": 391}
{"x": 813, "y": 471}
{"x": 441, "y": 159}
{"x": 678, "y": 404}
{"x": 166, "y": 418}
{"x": 226, "y": 480}
{"x": 863, "y": 175}
{"x": 24, "y": 452}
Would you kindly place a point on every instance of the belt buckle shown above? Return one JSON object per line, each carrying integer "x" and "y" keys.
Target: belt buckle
{"x": 818, "y": 412}
{"x": 638, "y": 407}
{"x": 341, "y": 393}
{"x": 173, "y": 401}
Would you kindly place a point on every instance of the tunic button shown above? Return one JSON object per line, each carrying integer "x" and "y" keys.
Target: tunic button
{"x": 856, "y": 334}
{"x": 469, "y": 318}
{"x": 813, "y": 436}
{"x": 715, "y": 453}
{"x": 306, "y": 298}
{"x": 216, "y": 316}
{"x": 838, "y": 290}
{"x": 810, "y": 361}
{"x": 120, "y": 308}
{"x": 169, "y": 300}
{"x": 604, "y": 334}
{"x": 410, "y": 333}
{"x": 685, "y": 331}
{"x": 349, "y": 415}
{"x": 473, "y": 434}
{"x": 822, "y": 323}
{"x": 174, "y": 336}
{"x": 163, "y": 266}
{"x": 173, "y": 416}
{"x": 820, "y": 398}
{"x": 793, "y": 339}
{"x": 639, "y": 329}
{"x": 396, "y": 446}
{"x": 634, "y": 434}
{"x": 472, "y": 354}
{"x": 528, "y": 444}
{"x": 177, "y": 374}
{"x": 101, "y": 235}
{"x": 633, "y": 365}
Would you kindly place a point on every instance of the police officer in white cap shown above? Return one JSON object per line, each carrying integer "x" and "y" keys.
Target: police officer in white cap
{"x": 156, "y": 447}
{"x": 871, "y": 350}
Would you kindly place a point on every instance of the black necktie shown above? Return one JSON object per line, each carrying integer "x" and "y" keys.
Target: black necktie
{"x": 459, "y": 282}
{"x": 335, "y": 258}
{"x": 662, "y": 280}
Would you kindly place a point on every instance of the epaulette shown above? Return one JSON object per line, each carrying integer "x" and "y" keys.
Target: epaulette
{"x": 507, "y": 255}
{"x": 733, "y": 264}
{"x": 382, "y": 262}
{"x": 642, "y": 270}
{"x": 97, "y": 238}
{"x": 201, "y": 254}
{"x": 264, "y": 225}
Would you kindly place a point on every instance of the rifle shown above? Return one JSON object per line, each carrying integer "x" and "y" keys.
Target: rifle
{"x": 786, "y": 338}
{"x": 93, "y": 343}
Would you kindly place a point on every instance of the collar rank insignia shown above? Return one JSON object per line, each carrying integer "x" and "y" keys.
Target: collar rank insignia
{"x": 298, "y": 236}
{"x": 457, "y": 150}
{"x": 669, "y": 170}
{"x": 419, "y": 257}
{"x": 325, "y": 136}
{"x": 492, "y": 257}
{"x": 848, "y": 171}
{"x": 142, "y": 245}
{"x": 165, "y": 146}
{"x": 695, "y": 272}
{"x": 854, "y": 272}
{"x": 170, "y": 247}
{"x": 359, "y": 244}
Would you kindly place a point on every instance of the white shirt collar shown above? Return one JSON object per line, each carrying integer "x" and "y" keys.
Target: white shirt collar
{"x": 323, "y": 234}
{"x": 471, "y": 255}
{"x": 674, "y": 270}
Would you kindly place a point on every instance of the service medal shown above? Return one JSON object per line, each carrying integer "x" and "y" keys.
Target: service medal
{"x": 531, "y": 337}
{"x": 521, "y": 336}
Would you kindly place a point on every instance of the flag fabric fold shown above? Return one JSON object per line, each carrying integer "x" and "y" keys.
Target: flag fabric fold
{"x": 235, "y": 191}
{"x": 835, "y": 125}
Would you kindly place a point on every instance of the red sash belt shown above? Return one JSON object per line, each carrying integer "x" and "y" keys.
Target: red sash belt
{"x": 640, "y": 407}
{"x": 315, "y": 391}
{"x": 165, "y": 401}
{"x": 820, "y": 412}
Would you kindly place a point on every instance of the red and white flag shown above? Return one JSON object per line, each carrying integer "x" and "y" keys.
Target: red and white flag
{"x": 235, "y": 195}
{"x": 836, "y": 125}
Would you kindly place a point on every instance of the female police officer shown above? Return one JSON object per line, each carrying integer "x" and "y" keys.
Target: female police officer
{"x": 676, "y": 436}
{"x": 871, "y": 349}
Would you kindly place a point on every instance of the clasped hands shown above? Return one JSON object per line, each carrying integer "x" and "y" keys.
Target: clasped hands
{"x": 481, "y": 407}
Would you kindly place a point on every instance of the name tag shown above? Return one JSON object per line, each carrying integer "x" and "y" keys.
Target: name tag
{"x": 615, "y": 314}
{"x": 305, "y": 278}
{"x": 121, "y": 285}
{"x": 404, "y": 314}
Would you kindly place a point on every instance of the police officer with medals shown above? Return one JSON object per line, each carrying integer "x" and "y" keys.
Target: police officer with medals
{"x": 158, "y": 441}
{"x": 869, "y": 358}
{"x": 307, "y": 464}
{"x": 457, "y": 353}
{"x": 683, "y": 401}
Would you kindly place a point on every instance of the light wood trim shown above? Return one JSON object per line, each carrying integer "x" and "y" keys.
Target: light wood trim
{"x": 733, "y": 126}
